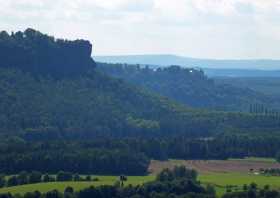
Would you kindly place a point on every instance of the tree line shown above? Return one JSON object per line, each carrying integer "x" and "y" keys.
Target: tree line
{"x": 37, "y": 177}
{"x": 130, "y": 156}
{"x": 261, "y": 109}
{"x": 51, "y": 157}
{"x": 270, "y": 172}
{"x": 252, "y": 191}
{"x": 180, "y": 182}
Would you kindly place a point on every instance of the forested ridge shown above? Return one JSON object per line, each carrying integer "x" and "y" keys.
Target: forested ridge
{"x": 40, "y": 54}
{"x": 111, "y": 156}
{"x": 40, "y": 100}
{"x": 95, "y": 105}
{"x": 60, "y": 110}
{"x": 189, "y": 86}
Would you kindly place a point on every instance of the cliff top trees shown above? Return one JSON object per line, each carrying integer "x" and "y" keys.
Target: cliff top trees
{"x": 39, "y": 53}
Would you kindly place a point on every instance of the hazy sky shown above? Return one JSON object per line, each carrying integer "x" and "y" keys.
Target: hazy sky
{"x": 196, "y": 28}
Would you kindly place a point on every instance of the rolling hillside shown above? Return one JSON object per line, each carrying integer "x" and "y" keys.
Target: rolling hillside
{"x": 166, "y": 60}
{"x": 78, "y": 119}
{"x": 266, "y": 85}
{"x": 42, "y": 100}
{"x": 46, "y": 96}
{"x": 189, "y": 86}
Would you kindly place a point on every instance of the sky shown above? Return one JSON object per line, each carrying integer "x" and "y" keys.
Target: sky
{"x": 220, "y": 29}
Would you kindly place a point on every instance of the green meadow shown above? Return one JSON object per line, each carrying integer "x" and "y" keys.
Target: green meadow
{"x": 220, "y": 180}
{"x": 255, "y": 159}
{"x": 103, "y": 180}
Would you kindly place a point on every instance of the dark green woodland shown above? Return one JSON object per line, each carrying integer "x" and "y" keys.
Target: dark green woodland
{"x": 57, "y": 106}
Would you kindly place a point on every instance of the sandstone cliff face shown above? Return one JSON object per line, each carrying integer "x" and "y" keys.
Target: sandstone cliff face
{"x": 41, "y": 54}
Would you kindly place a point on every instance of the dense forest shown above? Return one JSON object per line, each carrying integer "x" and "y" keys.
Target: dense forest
{"x": 58, "y": 110}
{"x": 188, "y": 86}
{"x": 266, "y": 85}
{"x": 95, "y": 105}
{"x": 38, "y": 53}
{"x": 131, "y": 156}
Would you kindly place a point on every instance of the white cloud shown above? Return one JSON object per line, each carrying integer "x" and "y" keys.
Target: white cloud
{"x": 202, "y": 28}
{"x": 263, "y": 4}
{"x": 221, "y": 7}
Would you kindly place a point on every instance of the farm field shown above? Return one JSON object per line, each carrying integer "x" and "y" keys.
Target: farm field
{"x": 217, "y": 166}
{"x": 218, "y": 173}
{"x": 103, "y": 180}
{"x": 221, "y": 180}
{"x": 223, "y": 173}
{"x": 255, "y": 159}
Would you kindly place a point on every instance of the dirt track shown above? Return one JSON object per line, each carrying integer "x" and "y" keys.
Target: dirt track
{"x": 221, "y": 166}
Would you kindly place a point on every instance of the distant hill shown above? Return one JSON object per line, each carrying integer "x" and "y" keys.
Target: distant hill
{"x": 266, "y": 85}
{"x": 250, "y": 73}
{"x": 212, "y": 67}
{"x": 45, "y": 100}
{"x": 188, "y": 86}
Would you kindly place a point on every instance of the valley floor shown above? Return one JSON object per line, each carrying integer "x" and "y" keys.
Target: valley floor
{"x": 222, "y": 174}
{"x": 103, "y": 180}
{"x": 247, "y": 165}
{"x": 227, "y": 174}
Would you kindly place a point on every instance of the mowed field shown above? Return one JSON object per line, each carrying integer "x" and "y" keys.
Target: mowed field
{"x": 103, "y": 180}
{"x": 219, "y": 173}
{"x": 224, "y": 173}
{"x": 217, "y": 166}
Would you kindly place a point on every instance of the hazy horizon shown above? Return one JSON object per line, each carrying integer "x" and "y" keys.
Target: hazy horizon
{"x": 211, "y": 29}
{"x": 185, "y": 56}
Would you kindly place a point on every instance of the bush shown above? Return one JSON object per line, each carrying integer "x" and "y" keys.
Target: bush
{"x": 2, "y": 181}
{"x": 77, "y": 177}
{"x": 12, "y": 181}
{"x": 23, "y": 178}
{"x": 48, "y": 178}
{"x": 64, "y": 176}
{"x": 53, "y": 194}
{"x": 88, "y": 178}
{"x": 69, "y": 190}
{"x": 95, "y": 179}
{"x": 35, "y": 177}
{"x": 176, "y": 173}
